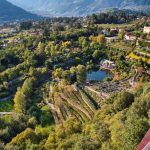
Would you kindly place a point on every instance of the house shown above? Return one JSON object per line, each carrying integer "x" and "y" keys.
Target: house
{"x": 107, "y": 64}
{"x": 15, "y": 41}
{"x": 145, "y": 143}
{"x": 114, "y": 31}
{"x": 35, "y": 33}
{"x": 146, "y": 29}
{"x": 130, "y": 37}
{"x": 111, "y": 39}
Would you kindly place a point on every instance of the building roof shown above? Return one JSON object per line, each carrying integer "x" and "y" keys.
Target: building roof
{"x": 145, "y": 143}
{"x": 147, "y": 27}
{"x": 130, "y": 34}
{"x": 109, "y": 38}
{"x": 107, "y": 61}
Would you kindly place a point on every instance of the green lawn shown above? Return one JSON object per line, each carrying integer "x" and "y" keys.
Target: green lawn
{"x": 6, "y": 106}
{"x": 125, "y": 25}
{"x": 121, "y": 45}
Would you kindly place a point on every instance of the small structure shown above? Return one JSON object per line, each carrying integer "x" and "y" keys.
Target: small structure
{"x": 15, "y": 41}
{"x": 35, "y": 33}
{"x": 105, "y": 32}
{"x": 111, "y": 39}
{"x": 145, "y": 143}
{"x": 107, "y": 64}
{"x": 146, "y": 29}
{"x": 130, "y": 37}
{"x": 114, "y": 31}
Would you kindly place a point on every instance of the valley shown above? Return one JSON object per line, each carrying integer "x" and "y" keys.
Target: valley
{"x": 74, "y": 82}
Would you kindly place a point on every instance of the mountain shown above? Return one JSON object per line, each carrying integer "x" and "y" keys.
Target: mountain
{"x": 78, "y": 7}
{"x": 10, "y": 12}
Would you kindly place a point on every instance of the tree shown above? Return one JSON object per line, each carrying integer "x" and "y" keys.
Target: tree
{"x": 101, "y": 39}
{"x": 77, "y": 60}
{"x": 81, "y": 74}
{"x": 27, "y": 87}
{"x": 51, "y": 142}
{"x": 21, "y": 139}
{"x": 72, "y": 126}
{"x": 134, "y": 132}
{"x": 96, "y": 55}
{"x": 57, "y": 73}
{"x": 66, "y": 75}
{"x": 73, "y": 74}
{"x": 80, "y": 40}
{"x": 66, "y": 44}
{"x": 20, "y": 102}
{"x": 40, "y": 49}
{"x": 48, "y": 49}
{"x": 99, "y": 130}
{"x": 26, "y": 25}
{"x": 123, "y": 101}
{"x": 86, "y": 143}
{"x": 84, "y": 43}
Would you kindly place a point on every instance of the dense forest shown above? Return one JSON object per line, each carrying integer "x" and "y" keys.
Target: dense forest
{"x": 46, "y": 99}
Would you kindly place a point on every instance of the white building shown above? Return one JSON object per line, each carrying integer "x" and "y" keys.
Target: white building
{"x": 107, "y": 64}
{"x": 146, "y": 29}
{"x": 111, "y": 39}
{"x": 130, "y": 37}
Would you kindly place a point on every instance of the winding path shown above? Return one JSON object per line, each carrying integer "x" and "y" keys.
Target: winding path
{"x": 102, "y": 95}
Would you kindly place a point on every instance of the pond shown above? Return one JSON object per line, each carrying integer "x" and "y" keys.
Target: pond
{"x": 97, "y": 75}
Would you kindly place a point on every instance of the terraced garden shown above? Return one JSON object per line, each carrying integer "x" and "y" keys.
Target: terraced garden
{"x": 72, "y": 102}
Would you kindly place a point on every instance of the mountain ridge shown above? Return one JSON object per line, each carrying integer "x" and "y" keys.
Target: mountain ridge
{"x": 9, "y": 12}
{"x": 79, "y": 7}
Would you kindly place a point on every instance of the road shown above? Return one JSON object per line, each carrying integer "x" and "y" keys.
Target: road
{"x": 6, "y": 98}
{"x": 6, "y": 113}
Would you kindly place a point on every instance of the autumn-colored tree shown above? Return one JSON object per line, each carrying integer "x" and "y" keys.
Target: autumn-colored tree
{"x": 101, "y": 39}
{"x": 20, "y": 101}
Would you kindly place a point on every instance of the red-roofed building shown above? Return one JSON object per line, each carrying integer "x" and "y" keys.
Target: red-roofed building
{"x": 145, "y": 143}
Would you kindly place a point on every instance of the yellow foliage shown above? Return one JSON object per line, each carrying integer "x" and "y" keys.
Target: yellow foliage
{"x": 133, "y": 56}
{"x": 66, "y": 44}
{"x": 98, "y": 39}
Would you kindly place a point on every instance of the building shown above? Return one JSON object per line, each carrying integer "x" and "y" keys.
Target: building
{"x": 130, "y": 37}
{"x": 114, "y": 31}
{"x": 15, "y": 41}
{"x": 107, "y": 64}
{"x": 35, "y": 33}
{"x": 111, "y": 39}
{"x": 146, "y": 29}
{"x": 145, "y": 143}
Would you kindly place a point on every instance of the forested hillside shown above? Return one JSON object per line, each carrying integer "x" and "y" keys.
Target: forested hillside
{"x": 121, "y": 122}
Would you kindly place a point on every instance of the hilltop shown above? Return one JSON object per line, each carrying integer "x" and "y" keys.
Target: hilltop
{"x": 10, "y": 12}
{"x": 79, "y": 7}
